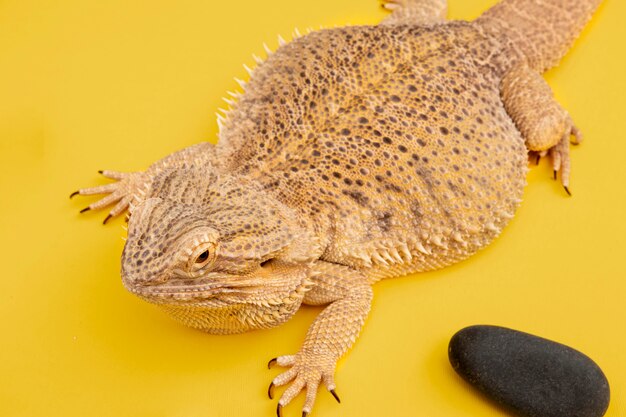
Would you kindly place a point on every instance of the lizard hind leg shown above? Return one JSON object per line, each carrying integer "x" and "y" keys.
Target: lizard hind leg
{"x": 415, "y": 12}
{"x": 545, "y": 126}
{"x": 560, "y": 154}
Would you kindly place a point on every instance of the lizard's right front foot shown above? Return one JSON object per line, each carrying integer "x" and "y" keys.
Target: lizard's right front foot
{"x": 129, "y": 189}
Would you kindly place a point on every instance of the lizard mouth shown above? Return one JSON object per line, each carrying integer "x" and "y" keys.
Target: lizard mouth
{"x": 184, "y": 292}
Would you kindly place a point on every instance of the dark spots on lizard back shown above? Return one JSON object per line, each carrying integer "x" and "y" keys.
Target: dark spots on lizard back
{"x": 384, "y": 221}
{"x": 360, "y": 198}
{"x": 416, "y": 209}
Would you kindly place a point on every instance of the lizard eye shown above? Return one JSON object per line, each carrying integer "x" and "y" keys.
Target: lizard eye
{"x": 201, "y": 256}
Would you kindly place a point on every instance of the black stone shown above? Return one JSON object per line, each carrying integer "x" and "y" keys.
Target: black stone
{"x": 528, "y": 375}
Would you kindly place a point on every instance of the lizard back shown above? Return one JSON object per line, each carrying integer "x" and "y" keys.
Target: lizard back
{"x": 397, "y": 134}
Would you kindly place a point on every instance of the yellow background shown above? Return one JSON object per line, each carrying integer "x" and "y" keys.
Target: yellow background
{"x": 88, "y": 85}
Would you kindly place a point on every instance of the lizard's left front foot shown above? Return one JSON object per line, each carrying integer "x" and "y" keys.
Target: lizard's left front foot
{"x": 307, "y": 371}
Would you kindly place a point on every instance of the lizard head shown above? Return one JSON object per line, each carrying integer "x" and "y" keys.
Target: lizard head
{"x": 218, "y": 254}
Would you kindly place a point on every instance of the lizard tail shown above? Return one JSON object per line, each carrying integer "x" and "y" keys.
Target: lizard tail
{"x": 542, "y": 30}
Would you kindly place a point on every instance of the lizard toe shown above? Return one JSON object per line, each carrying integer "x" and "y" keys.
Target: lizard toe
{"x": 307, "y": 372}
{"x": 128, "y": 189}
{"x": 560, "y": 154}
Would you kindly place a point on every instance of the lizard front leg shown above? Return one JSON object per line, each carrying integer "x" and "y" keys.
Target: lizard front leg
{"x": 131, "y": 187}
{"x": 331, "y": 334}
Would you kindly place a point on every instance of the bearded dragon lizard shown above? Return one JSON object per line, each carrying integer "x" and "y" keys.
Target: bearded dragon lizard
{"x": 354, "y": 154}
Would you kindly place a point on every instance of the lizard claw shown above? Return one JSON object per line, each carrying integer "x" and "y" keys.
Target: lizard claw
{"x": 332, "y": 391}
{"x": 307, "y": 371}
{"x": 128, "y": 188}
{"x": 535, "y": 156}
{"x": 560, "y": 154}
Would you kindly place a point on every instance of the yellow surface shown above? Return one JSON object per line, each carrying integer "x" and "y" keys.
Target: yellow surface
{"x": 88, "y": 85}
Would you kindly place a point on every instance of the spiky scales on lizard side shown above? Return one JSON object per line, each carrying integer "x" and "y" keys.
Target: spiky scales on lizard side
{"x": 354, "y": 154}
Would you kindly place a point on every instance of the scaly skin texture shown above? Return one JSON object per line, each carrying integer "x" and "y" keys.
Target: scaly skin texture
{"x": 354, "y": 154}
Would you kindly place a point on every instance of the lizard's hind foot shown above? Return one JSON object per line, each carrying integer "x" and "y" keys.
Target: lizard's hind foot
{"x": 545, "y": 126}
{"x": 416, "y": 12}
{"x": 560, "y": 154}
{"x": 129, "y": 189}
